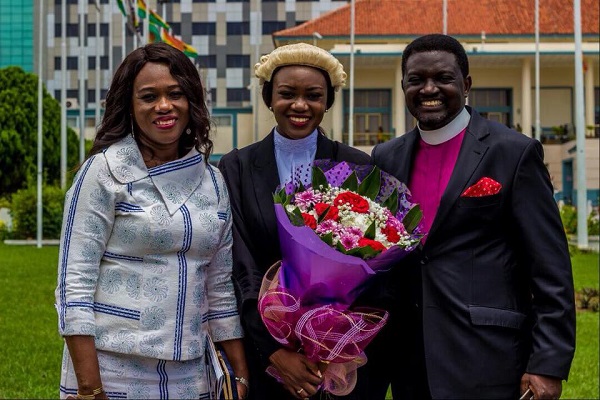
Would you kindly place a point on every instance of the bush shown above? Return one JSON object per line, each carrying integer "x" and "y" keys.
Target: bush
{"x": 568, "y": 215}
{"x": 24, "y": 212}
{"x": 588, "y": 299}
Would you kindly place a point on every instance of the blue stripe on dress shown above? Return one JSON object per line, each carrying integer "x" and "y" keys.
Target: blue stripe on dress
{"x": 164, "y": 379}
{"x": 118, "y": 311}
{"x": 181, "y": 255}
{"x": 222, "y": 215}
{"x": 67, "y": 243}
{"x": 214, "y": 179}
{"x": 83, "y": 304}
{"x": 122, "y": 206}
{"x": 116, "y": 256}
{"x": 175, "y": 165}
{"x": 221, "y": 314}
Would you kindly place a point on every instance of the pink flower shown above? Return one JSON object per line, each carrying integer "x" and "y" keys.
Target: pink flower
{"x": 348, "y": 240}
{"x": 307, "y": 198}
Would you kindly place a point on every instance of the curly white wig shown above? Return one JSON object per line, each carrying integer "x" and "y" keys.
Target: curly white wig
{"x": 301, "y": 54}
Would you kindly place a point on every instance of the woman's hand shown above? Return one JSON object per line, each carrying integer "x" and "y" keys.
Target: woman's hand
{"x": 300, "y": 376}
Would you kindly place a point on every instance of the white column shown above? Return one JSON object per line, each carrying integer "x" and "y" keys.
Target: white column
{"x": 526, "y": 97}
{"x": 400, "y": 104}
{"x": 337, "y": 117}
{"x": 589, "y": 94}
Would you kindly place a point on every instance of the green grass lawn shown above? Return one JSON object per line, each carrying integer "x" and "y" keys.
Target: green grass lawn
{"x": 31, "y": 349}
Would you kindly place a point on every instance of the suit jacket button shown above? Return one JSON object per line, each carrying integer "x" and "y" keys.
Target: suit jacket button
{"x": 424, "y": 260}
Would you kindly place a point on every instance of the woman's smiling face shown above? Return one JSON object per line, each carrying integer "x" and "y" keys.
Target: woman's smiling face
{"x": 160, "y": 107}
{"x": 299, "y": 100}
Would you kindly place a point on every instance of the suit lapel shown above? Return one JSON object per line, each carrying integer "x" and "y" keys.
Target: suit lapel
{"x": 470, "y": 155}
{"x": 265, "y": 179}
{"x": 402, "y": 153}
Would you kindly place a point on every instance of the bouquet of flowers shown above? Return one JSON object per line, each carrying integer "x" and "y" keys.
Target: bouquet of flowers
{"x": 350, "y": 223}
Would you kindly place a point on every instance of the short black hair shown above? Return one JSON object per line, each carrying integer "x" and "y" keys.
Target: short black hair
{"x": 437, "y": 42}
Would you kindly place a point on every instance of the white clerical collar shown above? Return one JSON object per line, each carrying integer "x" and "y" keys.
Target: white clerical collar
{"x": 445, "y": 133}
{"x": 296, "y": 145}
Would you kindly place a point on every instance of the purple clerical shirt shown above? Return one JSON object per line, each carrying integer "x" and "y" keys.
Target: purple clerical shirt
{"x": 430, "y": 174}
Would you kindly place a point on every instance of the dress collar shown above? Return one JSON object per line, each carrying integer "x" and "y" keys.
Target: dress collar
{"x": 175, "y": 180}
{"x": 445, "y": 133}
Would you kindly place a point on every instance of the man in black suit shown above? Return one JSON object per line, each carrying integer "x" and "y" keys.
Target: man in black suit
{"x": 488, "y": 299}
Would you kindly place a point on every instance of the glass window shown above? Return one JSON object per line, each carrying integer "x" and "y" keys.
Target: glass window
{"x": 238, "y": 61}
{"x": 222, "y": 120}
{"x": 237, "y": 95}
{"x": 269, "y": 27}
{"x": 238, "y": 28}
{"x": 203, "y": 28}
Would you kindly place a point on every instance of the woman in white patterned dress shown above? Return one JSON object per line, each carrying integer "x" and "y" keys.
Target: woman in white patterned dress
{"x": 144, "y": 272}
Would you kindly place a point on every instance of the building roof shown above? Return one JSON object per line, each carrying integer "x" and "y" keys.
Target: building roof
{"x": 406, "y": 19}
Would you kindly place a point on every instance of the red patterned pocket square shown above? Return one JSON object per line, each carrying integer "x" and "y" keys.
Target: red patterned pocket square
{"x": 484, "y": 187}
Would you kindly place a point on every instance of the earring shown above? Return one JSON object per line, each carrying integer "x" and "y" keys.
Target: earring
{"x": 327, "y": 109}
{"x": 271, "y": 109}
{"x": 132, "y": 131}
{"x": 188, "y": 131}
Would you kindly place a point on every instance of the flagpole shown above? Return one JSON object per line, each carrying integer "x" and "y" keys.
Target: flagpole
{"x": 98, "y": 69}
{"x": 63, "y": 96}
{"x": 134, "y": 21}
{"x": 351, "y": 105}
{"x": 124, "y": 36}
{"x": 40, "y": 120}
{"x": 538, "y": 129}
{"x": 147, "y": 24}
{"x": 582, "y": 232}
{"x": 82, "y": 70}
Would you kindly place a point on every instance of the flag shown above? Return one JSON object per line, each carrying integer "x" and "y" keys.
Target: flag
{"x": 122, "y": 7}
{"x": 178, "y": 44}
{"x": 142, "y": 10}
{"x": 157, "y": 20}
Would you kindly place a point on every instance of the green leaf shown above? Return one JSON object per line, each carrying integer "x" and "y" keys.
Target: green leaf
{"x": 391, "y": 203}
{"x": 364, "y": 252}
{"x": 340, "y": 247}
{"x": 328, "y": 238}
{"x": 301, "y": 188}
{"x": 370, "y": 232}
{"x": 323, "y": 214}
{"x": 412, "y": 218}
{"x": 369, "y": 187}
{"x": 296, "y": 217}
{"x": 279, "y": 197}
{"x": 351, "y": 183}
{"x": 318, "y": 178}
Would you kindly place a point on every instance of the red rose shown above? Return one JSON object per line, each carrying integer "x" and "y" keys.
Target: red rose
{"x": 374, "y": 244}
{"x": 309, "y": 221}
{"x": 391, "y": 234}
{"x": 357, "y": 203}
{"x": 331, "y": 214}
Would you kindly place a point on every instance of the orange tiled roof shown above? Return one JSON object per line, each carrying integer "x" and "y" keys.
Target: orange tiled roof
{"x": 464, "y": 18}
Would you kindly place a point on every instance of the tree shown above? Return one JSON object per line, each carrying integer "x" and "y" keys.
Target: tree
{"x": 18, "y": 133}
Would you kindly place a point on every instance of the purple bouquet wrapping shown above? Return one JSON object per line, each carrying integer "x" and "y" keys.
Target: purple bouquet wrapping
{"x": 352, "y": 222}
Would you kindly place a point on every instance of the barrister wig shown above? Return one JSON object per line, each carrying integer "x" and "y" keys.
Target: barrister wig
{"x": 301, "y": 54}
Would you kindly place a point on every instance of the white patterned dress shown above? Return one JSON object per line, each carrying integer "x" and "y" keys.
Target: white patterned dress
{"x": 145, "y": 267}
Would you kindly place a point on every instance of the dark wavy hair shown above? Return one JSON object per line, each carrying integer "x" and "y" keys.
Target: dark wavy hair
{"x": 117, "y": 121}
{"x": 267, "y": 90}
{"x": 437, "y": 42}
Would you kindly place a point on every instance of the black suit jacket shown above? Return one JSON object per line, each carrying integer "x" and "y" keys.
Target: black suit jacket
{"x": 495, "y": 287}
{"x": 251, "y": 176}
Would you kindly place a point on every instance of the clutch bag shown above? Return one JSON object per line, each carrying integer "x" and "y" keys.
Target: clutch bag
{"x": 220, "y": 373}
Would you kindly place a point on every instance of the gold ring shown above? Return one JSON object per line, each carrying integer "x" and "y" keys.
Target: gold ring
{"x": 300, "y": 390}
